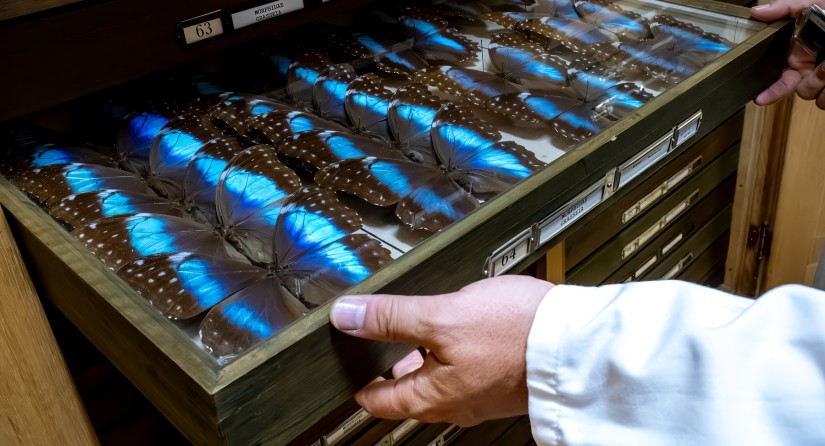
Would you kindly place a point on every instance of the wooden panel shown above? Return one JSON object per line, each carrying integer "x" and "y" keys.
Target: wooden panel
{"x": 552, "y": 266}
{"x": 16, "y": 8}
{"x": 38, "y": 400}
{"x": 799, "y": 227}
{"x": 707, "y": 263}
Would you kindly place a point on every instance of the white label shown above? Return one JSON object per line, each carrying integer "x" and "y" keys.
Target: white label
{"x": 399, "y": 433}
{"x": 645, "y": 266}
{"x": 265, "y": 12}
{"x": 570, "y": 212}
{"x": 672, "y": 244}
{"x": 645, "y": 159}
{"x": 660, "y": 191}
{"x": 509, "y": 254}
{"x": 678, "y": 268}
{"x": 650, "y": 232}
{"x": 687, "y": 129}
{"x": 355, "y": 421}
{"x": 202, "y": 30}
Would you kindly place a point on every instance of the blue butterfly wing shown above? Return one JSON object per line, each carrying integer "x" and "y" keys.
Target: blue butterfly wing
{"x": 330, "y": 90}
{"x": 173, "y": 150}
{"x": 250, "y": 316}
{"x": 235, "y": 112}
{"x": 438, "y": 42}
{"x": 81, "y": 209}
{"x": 411, "y": 114}
{"x": 317, "y": 256}
{"x": 251, "y": 191}
{"x": 271, "y": 127}
{"x": 317, "y": 149}
{"x": 367, "y": 103}
{"x": 301, "y": 78}
{"x": 47, "y": 185}
{"x": 611, "y": 17}
{"x": 476, "y": 86}
{"x": 44, "y": 155}
{"x": 576, "y": 35}
{"x": 117, "y": 241}
{"x": 535, "y": 108}
{"x": 378, "y": 181}
{"x": 433, "y": 206}
{"x": 200, "y": 184}
{"x": 523, "y": 66}
{"x": 136, "y": 133}
{"x": 184, "y": 285}
{"x": 390, "y": 57}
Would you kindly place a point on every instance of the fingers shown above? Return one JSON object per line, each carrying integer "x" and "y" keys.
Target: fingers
{"x": 811, "y": 85}
{"x": 783, "y": 87}
{"x": 408, "y": 364}
{"x": 393, "y": 399}
{"x": 384, "y": 317}
{"x": 779, "y": 9}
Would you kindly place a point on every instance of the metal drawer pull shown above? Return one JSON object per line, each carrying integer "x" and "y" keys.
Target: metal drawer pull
{"x": 678, "y": 267}
{"x": 687, "y": 129}
{"x": 660, "y": 191}
{"x": 644, "y": 159}
{"x": 354, "y": 422}
{"x": 645, "y": 266}
{"x": 445, "y": 436}
{"x": 509, "y": 254}
{"x": 399, "y": 433}
{"x": 650, "y": 232}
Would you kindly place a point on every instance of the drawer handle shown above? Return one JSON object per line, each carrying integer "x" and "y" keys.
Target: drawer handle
{"x": 650, "y": 232}
{"x": 354, "y": 422}
{"x": 678, "y": 267}
{"x": 445, "y": 436}
{"x": 645, "y": 267}
{"x": 399, "y": 433}
{"x": 660, "y": 190}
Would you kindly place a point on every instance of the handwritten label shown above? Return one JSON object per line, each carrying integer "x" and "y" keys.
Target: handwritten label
{"x": 265, "y": 12}
{"x": 570, "y": 212}
{"x": 509, "y": 254}
{"x": 646, "y": 158}
{"x": 688, "y": 128}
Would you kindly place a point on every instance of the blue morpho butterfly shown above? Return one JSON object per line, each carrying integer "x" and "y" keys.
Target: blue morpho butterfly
{"x": 411, "y": 114}
{"x": 435, "y": 40}
{"x": 676, "y": 51}
{"x": 48, "y": 185}
{"x": 542, "y": 8}
{"x": 576, "y": 35}
{"x": 611, "y": 17}
{"x": 367, "y": 102}
{"x": 425, "y": 197}
{"x": 317, "y": 257}
{"x": 301, "y": 77}
{"x": 118, "y": 240}
{"x": 330, "y": 91}
{"x": 317, "y": 149}
{"x": 596, "y": 102}
{"x": 235, "y": 112}
{"x": 522, "y": 61}
{"x": 271, "y": 127}
{"x": 78, "y": 210}
{"x": 251, "y": 191}
{"x": 200, "y": 182}
{"x": 476, "y": 86}
{"x": 22, "y": 158}
{"x": 388, "y": 56}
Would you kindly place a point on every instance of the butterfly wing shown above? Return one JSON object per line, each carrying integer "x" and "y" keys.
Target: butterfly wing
{"x": 184, "y": 285}
{"x": 236, "y": 111}
{"x": 317, "y": 256}
{"x": 438, "y": 42}
{"x": 318, "y": 148}
{"x": 251, "y": 191}
{"x": 200, "y": 184}
{"x": 250, "y": 316}
{"x": 81, "y": 209}
{"x": 576, "y": 35}
{"x": 476, "y": 86}
{"x": 136, "y": 133}
{"x": 117, "y": 241}
{"x": 47, "y": 185}
{"x": 524, "y": 66}
{"x": 330, "y": 90}
{"x": 433, "y": 206}
{"x": 367, "y": 103}
{"x": 271, "y": 127}
{"x": 301, "y": 78}
{"x": 535, "y": 108}
{"x": 390, "y": 57}
{"x": 410, "y": 116}
{"x": 43, "y": 155}
{"x": 611, "y": 17}
{"x": 378, "y": 181}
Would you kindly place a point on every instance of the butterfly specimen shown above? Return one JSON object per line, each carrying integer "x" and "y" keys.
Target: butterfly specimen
{"x": 329, "y": 92}
{"x": 200, "y": 182}
{"x": 676, "y": 51}
{"x": 271, "y": 127}
{"x": 317, "y": 257}
{"x": 520, "y": 60}
{"x": 81, "y": 209}
{"x": 388, "y": 56}
{"x": 574, "y": 34}
{"x": 476, "y": 86}
{"x": 302, "y": 75}
{"x": 367, "y": 102}
{"x": 411, "y": 113}
{"x": 435, "y": 40}
{"x": 235, "y": 112}
{"x": 316, "y": 149}
{"x": 611, "y": 17}
{"x": 42, "y": 155}
{"x": 250, "y": 193}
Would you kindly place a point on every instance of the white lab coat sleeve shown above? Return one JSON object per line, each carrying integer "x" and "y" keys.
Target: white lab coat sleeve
{"x": 672, "y": 363}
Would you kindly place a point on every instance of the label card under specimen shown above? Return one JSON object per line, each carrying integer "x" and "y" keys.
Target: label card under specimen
{"x": 265, "y": 12}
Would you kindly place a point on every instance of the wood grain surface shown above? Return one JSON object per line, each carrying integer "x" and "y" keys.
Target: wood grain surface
{"x": 16, "y": 8}
{"x": 38, "y": 400}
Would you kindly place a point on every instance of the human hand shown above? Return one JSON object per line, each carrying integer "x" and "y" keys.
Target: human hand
{"x": 477, "y": 341}
{"x": 802, "y": 75}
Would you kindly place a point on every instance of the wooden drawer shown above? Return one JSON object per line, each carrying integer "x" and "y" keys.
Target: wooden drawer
{"x": 629, "y": 203}
{"x": 298, "y": 385}
{"x": 685, "y": 255}
{"x": 709, "y": 267}
{"x": 647, "y": 229}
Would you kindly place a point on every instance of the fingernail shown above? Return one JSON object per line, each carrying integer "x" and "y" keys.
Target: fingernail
{"x": 348, "y": 314}
{"x": 761, "y": 7}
